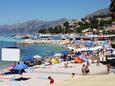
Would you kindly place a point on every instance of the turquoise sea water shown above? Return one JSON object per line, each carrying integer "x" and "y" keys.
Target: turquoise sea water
{"x": 29, "y": 50}
{"x": 41, "y": 49}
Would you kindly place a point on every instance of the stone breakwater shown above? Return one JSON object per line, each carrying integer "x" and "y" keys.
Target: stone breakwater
{"x": 27, "y": 41}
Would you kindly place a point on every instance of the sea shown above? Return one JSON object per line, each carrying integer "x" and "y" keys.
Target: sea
{"x": 44, "y": 50}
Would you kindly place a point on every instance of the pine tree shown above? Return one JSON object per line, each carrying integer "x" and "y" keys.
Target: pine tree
{"x": 112, "y": 8}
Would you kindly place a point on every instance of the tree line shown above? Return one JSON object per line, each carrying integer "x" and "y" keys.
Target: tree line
{"x": 97, "y": 22}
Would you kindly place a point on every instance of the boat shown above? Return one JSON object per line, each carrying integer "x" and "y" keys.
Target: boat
{"x": 26, "y": 36}
{"x": 43, "y": 36}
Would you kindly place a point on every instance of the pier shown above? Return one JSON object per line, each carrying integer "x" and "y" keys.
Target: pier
{"x": 30, "y": 41}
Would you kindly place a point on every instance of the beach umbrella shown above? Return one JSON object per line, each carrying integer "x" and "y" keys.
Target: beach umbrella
{"x": 65, "y": 52}
{"x": 27, "y": 58}
{"x": 88, "y": 43}
{"x": 110, "y": 49}
{"x": 77, "y": 53}
{"x": 37, "y": 57}
{"x": 57, "y": 55}
{"x": 20, "y": 66}
{"x": 89, "y": 51}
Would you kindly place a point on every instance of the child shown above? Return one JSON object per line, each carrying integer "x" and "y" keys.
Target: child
{"x": 51, "y": 80}
{"x": 73, "y": 74}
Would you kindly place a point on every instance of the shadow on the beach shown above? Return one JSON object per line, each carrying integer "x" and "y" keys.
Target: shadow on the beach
{"x": 100, "y": 73}
{"x": 8, "y": 73}
{"x": 12, "y": 72}
{"x": 22, "y": 79}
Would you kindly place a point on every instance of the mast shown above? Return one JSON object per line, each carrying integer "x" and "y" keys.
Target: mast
{"x": 25, "y": 29}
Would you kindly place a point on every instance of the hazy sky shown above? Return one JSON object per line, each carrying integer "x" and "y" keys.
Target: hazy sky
{"x": 14, "y": 11}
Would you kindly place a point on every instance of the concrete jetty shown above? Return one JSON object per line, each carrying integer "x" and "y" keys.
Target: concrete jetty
{"x": 30, "y": 41}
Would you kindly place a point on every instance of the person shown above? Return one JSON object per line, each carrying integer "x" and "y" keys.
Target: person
{"x": 108, "y": 68}
{"x": 73, "y": 74}
{"x": 51, "y": 80}
{"x": 21, "y": 72}
{"x": 85, "y": 69}
{"x": 65, "y": 65}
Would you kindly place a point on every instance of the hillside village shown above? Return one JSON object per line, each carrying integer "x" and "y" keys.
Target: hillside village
{"x": 96, "y": 25}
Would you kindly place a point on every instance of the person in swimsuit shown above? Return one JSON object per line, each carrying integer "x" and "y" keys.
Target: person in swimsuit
{"x": 85, "y": 69}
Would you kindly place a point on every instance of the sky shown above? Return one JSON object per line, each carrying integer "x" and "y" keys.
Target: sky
{"x": 17, "y": 11}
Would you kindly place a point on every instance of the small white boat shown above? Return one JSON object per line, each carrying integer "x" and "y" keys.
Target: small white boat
{"x": 28, "y": 41}
{"x": 44, "y": 36}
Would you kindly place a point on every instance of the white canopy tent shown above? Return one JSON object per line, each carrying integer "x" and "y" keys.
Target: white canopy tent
{"x": 85, "y": 49}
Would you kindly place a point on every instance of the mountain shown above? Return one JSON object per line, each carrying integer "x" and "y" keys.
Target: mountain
{"x": 35, "y": 25}
{"x": 29, "y": 26}
{"x": 104, "y": 11}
